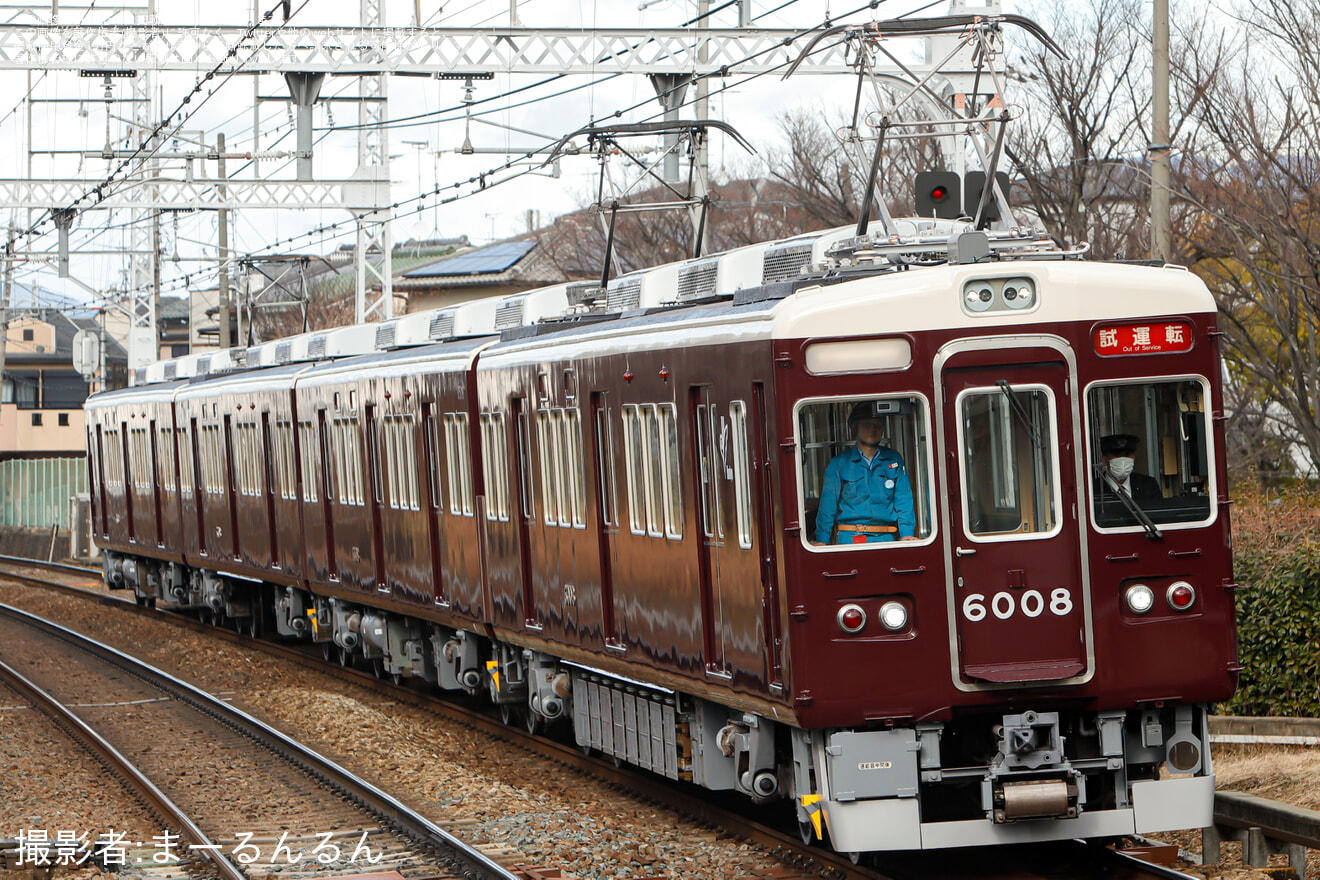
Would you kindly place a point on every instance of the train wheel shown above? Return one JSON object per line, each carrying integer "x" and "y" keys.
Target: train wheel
{"x": 345, "y": 657}
{"x": 508, "y": 714}
{"x": 533, "y": 721}
{"x": 378, "y": 667}
{"x": 397, "y": 679}
{"x": 327, "y": 651}
{"x": 807, "y": 832}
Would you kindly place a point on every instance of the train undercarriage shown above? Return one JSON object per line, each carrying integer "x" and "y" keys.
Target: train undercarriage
{"x": 984, "y": 777}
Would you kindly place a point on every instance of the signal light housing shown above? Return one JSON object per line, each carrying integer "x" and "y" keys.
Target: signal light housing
{"x": 939, "y": 195}
{"x": 972, "y": 196}
{"x": 1180, "y": 595}
{"x": 851, "y": 618}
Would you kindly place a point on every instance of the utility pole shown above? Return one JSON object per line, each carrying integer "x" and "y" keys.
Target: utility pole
{"x": 701, "y": 151}
{"x": 222, "y": 292}
{"x": 4, "y": 301}
{"x": 1161, "y": 246}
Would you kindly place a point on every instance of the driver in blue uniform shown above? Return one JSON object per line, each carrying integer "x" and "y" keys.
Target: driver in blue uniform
{"x": 866, "y": 497}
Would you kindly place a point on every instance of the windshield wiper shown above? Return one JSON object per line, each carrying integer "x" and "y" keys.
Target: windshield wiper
{"x": 1021, "y": 413}
{"x": 1152, "y": 531}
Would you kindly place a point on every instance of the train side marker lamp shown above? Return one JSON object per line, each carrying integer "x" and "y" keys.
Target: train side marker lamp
{"x": 894, "y": 616}
{"x": 1140, "y": 598}
{"x": 938, "y": 194}
{"x": 1180, "y": 596}
{"x": 851, "y": 618}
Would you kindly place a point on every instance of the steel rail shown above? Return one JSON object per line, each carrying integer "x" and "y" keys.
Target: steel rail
{"x": 821, "y": 862}
{"x": 117, "y": 763}
{"x": 467, "y": 861}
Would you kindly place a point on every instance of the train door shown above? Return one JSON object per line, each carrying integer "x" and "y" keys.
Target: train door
{"x": 267, "y": 458}
{"x": 127, "y": 473}
{"x": 434, "y": 500}
{"x": 376, "y": 498}
{"x": 607, "y": 519}
{"x": 231, "y": 485}
{"x": 327, "y": 496}
{"x": 525, "y": 514}
{"x": 156, "y": 483}
{"x": 764, "y": 516}
{"x": 1018, "y": 585}
{"x": 705, "y": 420}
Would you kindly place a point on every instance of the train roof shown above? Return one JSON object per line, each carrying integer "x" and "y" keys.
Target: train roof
{"x": 828, "y": 282}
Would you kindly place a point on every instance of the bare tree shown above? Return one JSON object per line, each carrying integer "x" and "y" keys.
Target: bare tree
{"x": 1254, "y": 175}
{"x": 1079, "y": 147}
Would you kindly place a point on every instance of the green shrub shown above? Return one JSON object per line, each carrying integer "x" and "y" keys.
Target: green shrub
{"x": 1277, "y": 565}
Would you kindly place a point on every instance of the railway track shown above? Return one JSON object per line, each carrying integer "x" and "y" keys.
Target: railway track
{"x": 801, "y": 861}
{"x": 307, "y": 811}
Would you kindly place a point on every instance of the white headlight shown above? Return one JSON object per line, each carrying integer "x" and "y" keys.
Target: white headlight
{"x": 893, "y": 616}
{"x": 1140, "y": 598}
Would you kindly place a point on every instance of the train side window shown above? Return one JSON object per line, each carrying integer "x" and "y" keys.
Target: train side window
{"x": 741, "y": 472}
{"x": 348, "y": 462}
{"x": 605, "y": 466}
{"x": 525, "y": 471}
{"x": 653, "y": 468}
{"x": 494, "y": 466}
{"x": 139, "y": 450}
{"x": 832, "y": 498}
{"x": 186, "y": 487}
{"x": 573, "y": 454}
{"x": 1162, "y": 427}
{"x": 459, "y": 459}
{"x": 307, "y": 452}
{"x": 1010, "y": 472}
{"x": 165, "y": 451}
{"x": 559, "y": 464}
{"x": 634, "y": 464}
{"x": 433, "y": 458}
{"x": 671, "y": 486}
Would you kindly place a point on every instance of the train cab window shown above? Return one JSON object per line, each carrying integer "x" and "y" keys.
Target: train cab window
{"x": 1149, "y": 456}
{"x": 852, "y": 499}
{"x": 1010, "y": 485}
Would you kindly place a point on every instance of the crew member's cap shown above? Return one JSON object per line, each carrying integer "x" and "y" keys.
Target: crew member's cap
{"x": 865, "y": 410}
{"x": 1119, "y": 444}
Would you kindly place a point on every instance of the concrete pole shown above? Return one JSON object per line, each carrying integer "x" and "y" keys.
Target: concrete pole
{"x": 4, "y": 300}
{"x": 222, "y": 294}
{"x": 1161, "y": 246}
{"x": 701, "y": 184}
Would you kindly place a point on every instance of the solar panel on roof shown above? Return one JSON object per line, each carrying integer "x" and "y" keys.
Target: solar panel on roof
{"x": 482, "y": 261}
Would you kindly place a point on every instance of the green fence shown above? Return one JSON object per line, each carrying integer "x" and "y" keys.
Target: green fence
{"x": 36, "y": 492}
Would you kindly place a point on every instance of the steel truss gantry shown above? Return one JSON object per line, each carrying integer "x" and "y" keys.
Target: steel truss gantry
{"x": 372, "y": 52}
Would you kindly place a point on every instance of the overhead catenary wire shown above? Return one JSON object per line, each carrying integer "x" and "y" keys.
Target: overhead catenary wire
{"x": 483, "y": 180}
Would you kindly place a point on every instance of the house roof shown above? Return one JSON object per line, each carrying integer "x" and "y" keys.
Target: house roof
{"x": 490, "y": 260}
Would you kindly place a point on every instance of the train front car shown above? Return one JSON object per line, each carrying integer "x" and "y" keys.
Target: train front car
{"x": 1008, "y": 618}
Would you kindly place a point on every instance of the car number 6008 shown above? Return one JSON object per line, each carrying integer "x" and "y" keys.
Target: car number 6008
{"x": 1005, "y": 605}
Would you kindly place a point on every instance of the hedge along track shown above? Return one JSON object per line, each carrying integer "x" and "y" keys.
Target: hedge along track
{"x": 434, "y": 847}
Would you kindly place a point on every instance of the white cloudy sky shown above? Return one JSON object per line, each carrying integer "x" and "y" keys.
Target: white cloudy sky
{"x": 430, "y": 158}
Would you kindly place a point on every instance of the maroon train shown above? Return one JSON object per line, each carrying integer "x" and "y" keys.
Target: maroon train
{"x": 599, "y": 506}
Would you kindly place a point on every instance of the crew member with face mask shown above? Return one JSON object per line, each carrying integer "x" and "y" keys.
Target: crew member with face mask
{"x": 1118, "y": 451}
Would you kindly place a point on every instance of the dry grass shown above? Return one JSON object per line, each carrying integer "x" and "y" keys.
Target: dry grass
{"x": 1284, "y": 773}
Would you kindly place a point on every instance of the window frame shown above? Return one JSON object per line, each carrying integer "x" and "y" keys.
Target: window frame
{"x": 1052, "y": 446}
{"x": 925, "y": 426}
{"x": 742, "y": 472}
{"x": 1212, "y": 485}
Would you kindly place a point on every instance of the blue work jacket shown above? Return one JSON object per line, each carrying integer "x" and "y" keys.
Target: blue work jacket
{"x": 855, "y": 494}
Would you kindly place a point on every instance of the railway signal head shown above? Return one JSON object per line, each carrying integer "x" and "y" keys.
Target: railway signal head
{"x": 938, "y": 195}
